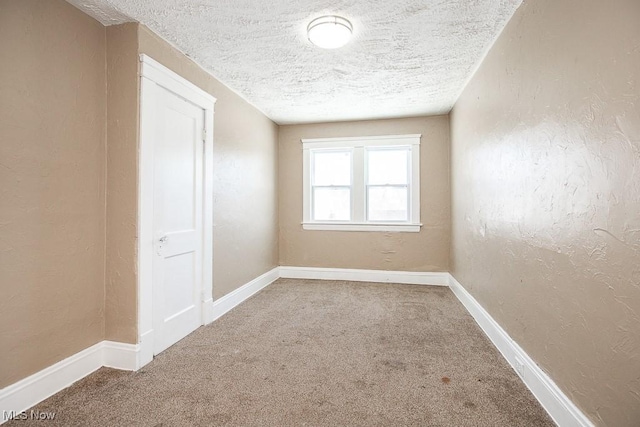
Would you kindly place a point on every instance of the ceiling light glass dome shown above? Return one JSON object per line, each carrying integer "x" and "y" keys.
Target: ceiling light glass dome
{"x": 329, "y": 32}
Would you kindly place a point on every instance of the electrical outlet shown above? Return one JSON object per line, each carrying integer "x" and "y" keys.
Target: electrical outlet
{"x": 519, "y": 365}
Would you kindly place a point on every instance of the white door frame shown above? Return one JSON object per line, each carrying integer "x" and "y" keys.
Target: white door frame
{"x": 153, "y": 74}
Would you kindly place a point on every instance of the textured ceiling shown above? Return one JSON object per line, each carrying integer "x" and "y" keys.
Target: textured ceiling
{"x": 407, "y": 57}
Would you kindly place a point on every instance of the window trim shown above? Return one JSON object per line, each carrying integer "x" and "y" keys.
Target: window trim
{"x": 359, "y": 146}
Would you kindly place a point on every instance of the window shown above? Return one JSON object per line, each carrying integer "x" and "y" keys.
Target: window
{"x": 362, "y": 184}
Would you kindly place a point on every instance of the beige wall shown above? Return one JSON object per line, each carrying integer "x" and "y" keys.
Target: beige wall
{"x": 245, "y": 162}
{"x": 245, "y": 147}
{"x": 52, "y": 176}
{"x": 427, "y": 250}
{"x": 545, "y": 190}
{"x": 69, "y": 130}
{"x": 121, "y": 302}
{"x": 546, "y": 196}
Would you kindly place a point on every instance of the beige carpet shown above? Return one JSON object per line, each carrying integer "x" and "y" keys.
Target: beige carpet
{"x": 316, "y": 353}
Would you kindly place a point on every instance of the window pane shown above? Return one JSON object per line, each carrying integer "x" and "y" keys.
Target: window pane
{"x": 388, "y": 204}
{"x": 332, "y": 168}
{"x": 388, "y": 166}
{"x": 331, "y": 204}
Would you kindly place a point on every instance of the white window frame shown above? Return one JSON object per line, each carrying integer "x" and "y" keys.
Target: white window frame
{"x": 359, "y": 147}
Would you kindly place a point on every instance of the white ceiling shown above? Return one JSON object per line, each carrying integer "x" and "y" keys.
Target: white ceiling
{"x": 407, "y": 57}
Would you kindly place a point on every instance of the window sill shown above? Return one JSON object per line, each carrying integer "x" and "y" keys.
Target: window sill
{"x": 330, "y": 226}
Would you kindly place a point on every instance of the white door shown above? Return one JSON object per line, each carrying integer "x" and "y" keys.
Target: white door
{"x": 177, "y": 218}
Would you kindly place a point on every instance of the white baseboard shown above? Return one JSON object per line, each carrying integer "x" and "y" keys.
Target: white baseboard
{"x": 383, "y": 276}
{"x": 34, "y": 389}
{"x": 207, "y": 311}
{"x": 223, "y": 305}
{"x": 145, "y": 349}
{"x": 121, "y": 355}
{"x": 553, "y": 400}
{"x": 30, "y": 391}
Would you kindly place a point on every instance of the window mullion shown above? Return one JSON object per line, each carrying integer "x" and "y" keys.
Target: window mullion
{"x": 358, "y": 185}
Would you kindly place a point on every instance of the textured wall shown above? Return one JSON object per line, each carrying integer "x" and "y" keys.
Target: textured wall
{"x": 52, "y": 143}
{"x": 66, "y": 88}
{"x": 245, "y": 151}
{"x": 546, "y": 196}
{"x": 121, "y": 284}
{"x": 427, "y": 250}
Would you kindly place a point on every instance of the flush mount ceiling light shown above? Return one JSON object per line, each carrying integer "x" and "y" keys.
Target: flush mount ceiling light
{"x": 329, "y": 32}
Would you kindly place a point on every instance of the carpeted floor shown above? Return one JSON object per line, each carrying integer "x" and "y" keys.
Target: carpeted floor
{"x": 316, "y": 353}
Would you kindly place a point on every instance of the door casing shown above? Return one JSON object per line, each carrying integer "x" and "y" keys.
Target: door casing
{"x": 152, "y": 75}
